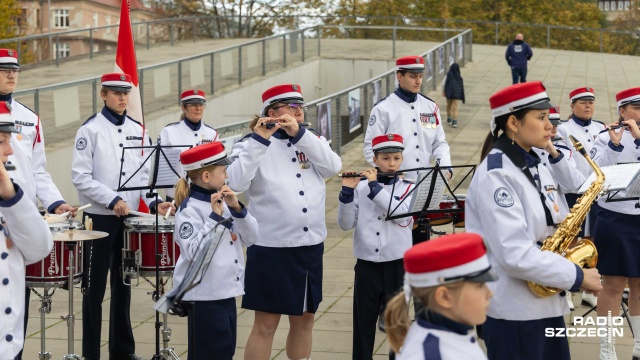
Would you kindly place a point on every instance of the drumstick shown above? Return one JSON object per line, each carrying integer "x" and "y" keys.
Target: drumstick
{"x": 138, "y": 213}
{"x": 166, "y": 216}
{"x": 65, "y": 214}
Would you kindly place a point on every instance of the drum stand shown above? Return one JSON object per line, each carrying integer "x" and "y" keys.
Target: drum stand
{"x": 45, "y": 308}
{"x": 70, "y": 318}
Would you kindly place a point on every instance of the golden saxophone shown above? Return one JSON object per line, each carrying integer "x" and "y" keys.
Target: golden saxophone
{"x": 584, "y": 254}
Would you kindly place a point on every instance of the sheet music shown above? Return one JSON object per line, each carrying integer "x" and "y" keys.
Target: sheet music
{"x": 167, "y": 176}
{"x": 421, "y": 193}
{"x": 617, "y": 177}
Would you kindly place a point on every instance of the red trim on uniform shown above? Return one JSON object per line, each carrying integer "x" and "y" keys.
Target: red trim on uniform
{"x": 435, "y": 113}
{"x": 38, "y": 138}
{"x": 402, "y": 197}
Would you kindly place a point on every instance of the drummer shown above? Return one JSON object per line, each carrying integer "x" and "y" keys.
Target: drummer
{"x": 190, "y": 130}
{"x": 96, "y": 172}
{"x": 30, "y": 241}
{"x": 28, "y": 146}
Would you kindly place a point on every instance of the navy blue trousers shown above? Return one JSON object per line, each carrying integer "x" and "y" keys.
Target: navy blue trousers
{"x": 524, "y": 340}
{"x": 519, "y": 75}
{"x": 101, "y": 257}
{"x": 212, "y": 329}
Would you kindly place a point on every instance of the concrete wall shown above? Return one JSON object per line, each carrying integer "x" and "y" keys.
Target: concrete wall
{"x": 317, "y": 78}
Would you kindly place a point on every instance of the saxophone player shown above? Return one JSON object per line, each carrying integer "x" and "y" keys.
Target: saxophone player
{"x": 513, "y": 204}
{"x": 616, "y": 233}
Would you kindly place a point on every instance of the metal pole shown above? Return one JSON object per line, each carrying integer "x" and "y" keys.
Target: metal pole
{"x": 548, "y": 37}
{"x": 179, "y": 80}
{"x": 339, "y": 132}
{"x": 194, "y": 30}
{"x": 319, "y": 36}
{"x": 36, "y": 101}
{"x": 90, "y": 43}
{"x": 601, "y": 40}
{"x": 395, "y": 23}
{"x": 94, "y": 88}
{"x": 57, "y": 49}
{"x": 302, "y": 42}
{"x": 148, "y": 36}
{"x": 264, "y": 58}
{"x": 212, "y": 75}
{"x": 239, "y": 65}
{"x": 171, "y": 34}
{"x": 49, "y": 16}
{"x": 284, "y": 51}
{"x": 497, "y": 33}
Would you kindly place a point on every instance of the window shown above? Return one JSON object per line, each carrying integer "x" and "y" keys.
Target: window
{"x": 620, "y": 5}
{"x": 626, "y": 5}
{"x": 95, "y": 19}
{"x": 61, "y": 49}
{"x": 22, "y": 18}
{"x": 606, "y": 6}
{"x": 60, "y": 18}
{"x": 107, "y": 20}
{"x": 600, "y": 5}
{"x": 38, "y": 20}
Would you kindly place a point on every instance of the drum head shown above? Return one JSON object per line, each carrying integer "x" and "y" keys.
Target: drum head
{"x": 147, "y": 224}
{"x": 64, "y": 226}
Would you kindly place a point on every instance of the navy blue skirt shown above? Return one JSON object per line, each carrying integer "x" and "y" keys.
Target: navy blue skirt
{"x": 617, "y": 240}
{"x": 275, "y": 279}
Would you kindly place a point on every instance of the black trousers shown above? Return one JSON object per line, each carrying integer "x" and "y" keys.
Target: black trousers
{"x": 212, "y": 329}
{"x": 524, "y": 340}
{"x": 375, "y": 284}
{"x": 100, "y": 257}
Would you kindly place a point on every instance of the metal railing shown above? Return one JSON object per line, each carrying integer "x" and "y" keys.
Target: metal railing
{"x": 68, "y": 104}
{"x": 343, "y": 116}
{"x": 96, "y": 40}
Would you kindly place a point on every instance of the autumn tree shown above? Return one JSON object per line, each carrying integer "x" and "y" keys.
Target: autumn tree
{"x": 9, "y": 14}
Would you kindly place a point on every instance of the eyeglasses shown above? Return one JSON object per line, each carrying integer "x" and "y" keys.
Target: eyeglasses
{"x": 7, "y": 72}
{"x": 293, "y": 107}
{"x": 195, "y": 105}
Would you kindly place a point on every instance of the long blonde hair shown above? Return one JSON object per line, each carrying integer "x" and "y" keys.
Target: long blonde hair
{"x": 182, "y": 186}
{"x": 396, "y": 314}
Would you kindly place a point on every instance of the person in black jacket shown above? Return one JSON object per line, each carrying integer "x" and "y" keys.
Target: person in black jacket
{"x": 517, "y": 55}
{"x": 453, "y": 90}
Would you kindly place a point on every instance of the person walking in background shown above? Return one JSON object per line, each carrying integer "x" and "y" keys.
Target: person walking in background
{"x": 453, "y": 90}
{"x": 517, "y": 55}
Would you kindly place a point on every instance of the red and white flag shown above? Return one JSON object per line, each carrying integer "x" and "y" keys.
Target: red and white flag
{"x": 126, "y": 63}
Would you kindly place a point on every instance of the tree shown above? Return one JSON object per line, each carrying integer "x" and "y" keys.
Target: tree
{"x": 9, "y": 14}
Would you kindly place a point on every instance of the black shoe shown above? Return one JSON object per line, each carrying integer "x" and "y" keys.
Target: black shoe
{"x": 381, "y": 326}
{"x": 126, "y": 357}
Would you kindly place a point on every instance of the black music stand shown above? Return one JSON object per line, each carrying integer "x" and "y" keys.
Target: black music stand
{"x": 159, "y": 161}
{"x": 431, "y": 182}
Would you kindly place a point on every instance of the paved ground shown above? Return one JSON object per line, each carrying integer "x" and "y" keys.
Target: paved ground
{"x": 561, "y": 71}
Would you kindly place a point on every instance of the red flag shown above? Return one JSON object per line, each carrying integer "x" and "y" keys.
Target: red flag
{"x": 126, "y": 63}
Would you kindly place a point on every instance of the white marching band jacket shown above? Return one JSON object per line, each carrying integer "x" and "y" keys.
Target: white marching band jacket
{"x": 185, "y": 132}
{"x": 28, "y": 148}
{"x": 420, "y": 125}
{"x": 505, "y": 208}
{"x": 425, "y": 341}
{"x": 224, "y": 278}
{"x": 32, "y": 241}
{"x": 365, "y": 209}
{"x": 95, "y": 169}
{"x": 605, "y": 153}
{"x": 584, "y": 131}
{"x": 564, "y": 171}
{"x": 284, "y": 182}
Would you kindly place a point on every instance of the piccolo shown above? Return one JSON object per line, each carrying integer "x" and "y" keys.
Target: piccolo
{"x": 9, "y": 167}
{"x": 379, "y": 174}
{"x": 619, "y": 126}
{"x": 557, "y": 138}
{"x": 270, "y": 125}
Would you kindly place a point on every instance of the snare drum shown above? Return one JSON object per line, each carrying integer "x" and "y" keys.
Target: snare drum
{"x": 442, "y": 218}
{"x": 53, "y": 270}
{"x": 139, "y": 237}
{"x": 458, "y": 217}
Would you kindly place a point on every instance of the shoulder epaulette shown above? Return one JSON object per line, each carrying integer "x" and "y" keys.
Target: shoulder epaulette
{"x": 381, "y": 100}
{"x": 90, "y": 118}
{"x": 173, "y": 123}
{"x": 598, "y": 121}
{"x": 426, "y": 97}
{"x": 245, "y": 138}
{"x": 135, "y": 121}
{"x": 409, "y": 181}
{"x": 494, "y": 161}
{"x": 210, "y": 127}
{"x": 24, "y": 106}
{"x": 314, "y": 131}
{"x": 562, "y": 147}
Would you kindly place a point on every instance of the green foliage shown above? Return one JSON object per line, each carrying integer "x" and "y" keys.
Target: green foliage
{"x": 9, "y": 13}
